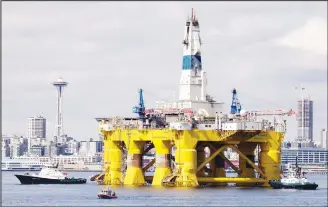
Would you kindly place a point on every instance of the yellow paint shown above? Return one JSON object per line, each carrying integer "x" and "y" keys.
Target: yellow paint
{"x": 187, "y": 161}
{"x": 230, "y": 180}
{"x": 270, "y": 157}
{"x": 162, "y": 147}
{"x": 245, "y": 149}
{"x": 134, "y": 174}
{"x": 115, "y": 162}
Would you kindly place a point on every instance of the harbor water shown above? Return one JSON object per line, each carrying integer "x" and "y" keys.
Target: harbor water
{"x": 15, "y": 194}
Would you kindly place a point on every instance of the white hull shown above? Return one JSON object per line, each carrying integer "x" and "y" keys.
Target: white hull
{"x": 21, "y": 169}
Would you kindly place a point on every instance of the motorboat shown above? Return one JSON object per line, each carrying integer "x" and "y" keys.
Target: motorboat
{"x": 107, "y": 194}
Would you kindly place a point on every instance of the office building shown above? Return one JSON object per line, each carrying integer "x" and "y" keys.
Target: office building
{"x": 305, "y": 156}
{"x": 36, "y": 130}
{"x": 305, "y": 122}
{"x": 38, "y": 150}
{"x": 90, "y": 147}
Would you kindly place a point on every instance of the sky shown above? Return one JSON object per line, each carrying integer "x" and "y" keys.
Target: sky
{"x": 107, "y": 50}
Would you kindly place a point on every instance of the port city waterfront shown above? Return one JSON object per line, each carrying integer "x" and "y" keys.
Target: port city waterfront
{"x": 187, "y": 167}
{"x": 15, "y": 194}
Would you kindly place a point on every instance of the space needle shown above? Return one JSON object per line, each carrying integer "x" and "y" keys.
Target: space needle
{"x": 59, "y": 129}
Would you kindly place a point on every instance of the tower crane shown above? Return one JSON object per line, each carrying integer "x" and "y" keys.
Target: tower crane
{"x": 235, "y": 105}
{"x": 140, "y": 109}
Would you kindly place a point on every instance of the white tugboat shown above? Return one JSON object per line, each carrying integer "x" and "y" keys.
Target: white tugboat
{"x": 49, "y": 175}
{"x": 295, "y": 180}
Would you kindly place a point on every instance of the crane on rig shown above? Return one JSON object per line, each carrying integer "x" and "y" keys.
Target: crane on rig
{"x": 277, "y": 112}
{"x": 140, "y": 109}
{"x": 235, "y": 105}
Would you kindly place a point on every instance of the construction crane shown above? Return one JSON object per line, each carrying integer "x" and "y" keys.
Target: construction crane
{"x": 140, "y": 109}
{"x": 235, "y": 105}
{"x": 277, "y": 112}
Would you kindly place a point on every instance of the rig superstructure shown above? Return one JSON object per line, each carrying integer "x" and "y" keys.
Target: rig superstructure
{"x": 180, "y": 131}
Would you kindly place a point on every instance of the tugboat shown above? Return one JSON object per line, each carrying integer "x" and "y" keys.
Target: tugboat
{"x": 107, "y": 194}
{"x": 49, "y": 175}
{"x": 295, "y": 180}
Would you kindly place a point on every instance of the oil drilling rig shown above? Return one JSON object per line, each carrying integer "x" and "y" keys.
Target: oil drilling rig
{"x": 180, "y": 131}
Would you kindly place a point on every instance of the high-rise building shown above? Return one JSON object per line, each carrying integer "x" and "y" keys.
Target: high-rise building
{"x": 305, "y": 122}
{"x": 36, "y": 130}
{"x": 90, "y": 147}
{"x": 72, "y": 147}
{"x": 5, "y": 146}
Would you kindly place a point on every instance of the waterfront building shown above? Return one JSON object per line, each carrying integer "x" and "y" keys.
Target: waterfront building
{"x": 14, "y": 146}
{"x": 36, "y": 130}
{"x": 51, "y": 149}
{"x": 305, "y": 156}
{"x": 38, "y": 150}
{"x": 5, "y": 146}
{"x": 90, "y": 147}
{"x": 72, "y": 147}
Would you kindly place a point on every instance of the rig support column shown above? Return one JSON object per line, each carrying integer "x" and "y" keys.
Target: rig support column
{"x": 219, "y": 169}
{"x": 163, "y": 160}
{"x": 247, "y": 171}
{"x": 106, "y": 168}
{"x": 270, "y": 157}
{"x": 115, "y": 159}
{"x": 186, "y": 160}
{"x": 134, "y": 174}
{"x": 200, "y": 159}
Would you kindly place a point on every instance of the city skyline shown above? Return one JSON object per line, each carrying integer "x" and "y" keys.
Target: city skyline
{"x": 271, "y": 47}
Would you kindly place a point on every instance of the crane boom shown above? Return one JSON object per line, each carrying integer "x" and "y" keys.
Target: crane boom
{"x": 140, "y": 109}
{"x": 235, "y": 105}
{"x": 278, "y": 112}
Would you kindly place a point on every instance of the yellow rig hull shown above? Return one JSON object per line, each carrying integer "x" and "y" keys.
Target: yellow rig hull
{"x": 190, "y": 160}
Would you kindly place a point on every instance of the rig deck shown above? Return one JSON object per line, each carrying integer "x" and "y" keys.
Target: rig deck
{"x": 125, "y": 145}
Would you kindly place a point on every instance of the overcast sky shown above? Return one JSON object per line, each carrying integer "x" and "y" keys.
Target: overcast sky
{"x": 107, "y": 50}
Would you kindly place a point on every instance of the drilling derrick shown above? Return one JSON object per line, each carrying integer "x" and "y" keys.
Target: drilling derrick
{"x": 181, "y": 131}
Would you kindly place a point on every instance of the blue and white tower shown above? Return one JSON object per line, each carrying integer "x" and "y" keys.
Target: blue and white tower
{"x": 193, "y": 79}
{"x": 59, "y": 127}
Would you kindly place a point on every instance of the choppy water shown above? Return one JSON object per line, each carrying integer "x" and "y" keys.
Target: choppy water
{"x": 14, "y": 194}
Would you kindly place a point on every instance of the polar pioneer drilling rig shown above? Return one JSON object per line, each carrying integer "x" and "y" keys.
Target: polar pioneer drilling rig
{"x": 180, "y": 131}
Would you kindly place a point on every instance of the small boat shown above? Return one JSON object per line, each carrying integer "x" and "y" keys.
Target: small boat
{"x": 295, "y": 179}
{"x": 107, "y": 194}
{"x": 49, "y": 175}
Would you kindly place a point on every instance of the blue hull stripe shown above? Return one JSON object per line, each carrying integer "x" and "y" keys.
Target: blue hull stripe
{"x": 191, "y": 61}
